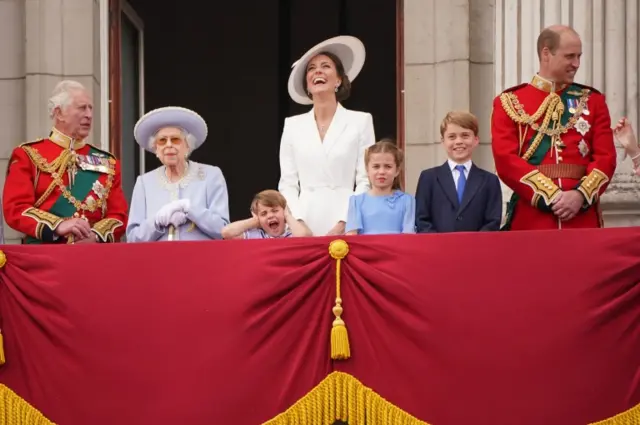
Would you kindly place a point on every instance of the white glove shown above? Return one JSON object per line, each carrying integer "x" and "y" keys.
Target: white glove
{"x": 178, "y": 218}
{"x": 163, "y": 216}
{"x": 185, "y": 204}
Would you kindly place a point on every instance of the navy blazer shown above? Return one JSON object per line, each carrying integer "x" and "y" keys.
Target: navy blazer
{"x": 438, "y": 209}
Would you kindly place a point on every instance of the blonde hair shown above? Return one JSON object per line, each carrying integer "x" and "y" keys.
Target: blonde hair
{"x": 386, "y": 146}
{"x": 269, "y": 198}
{"x": 463, "y": 119}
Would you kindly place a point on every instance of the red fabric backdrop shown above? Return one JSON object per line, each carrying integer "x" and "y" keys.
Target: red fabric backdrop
{"x": 527, "y": 328}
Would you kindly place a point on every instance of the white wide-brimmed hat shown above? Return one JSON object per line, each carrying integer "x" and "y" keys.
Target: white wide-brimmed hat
{"x": 348, "y": 49}
{"x": 170, "y": 116}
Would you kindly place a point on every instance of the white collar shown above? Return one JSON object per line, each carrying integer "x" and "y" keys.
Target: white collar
{"x": 466, "y": 165}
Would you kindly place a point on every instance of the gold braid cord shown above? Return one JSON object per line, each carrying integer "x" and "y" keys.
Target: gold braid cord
{"x": 16, "y": 411}
{"x": 550, "y": 111}
{"x": 340, "y": 350}
{"x": 552, "y": 108}
{"x": 342, "y": 397}
{"x": 56, "y": 169}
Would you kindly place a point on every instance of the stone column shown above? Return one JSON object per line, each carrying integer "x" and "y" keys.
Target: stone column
{"x": 609, "y": 32}
{"x": 62, "y": 42}
{"x": 42, "y": 43}
{"x": 12, "y": 87}
{"x": 448, "y": 65}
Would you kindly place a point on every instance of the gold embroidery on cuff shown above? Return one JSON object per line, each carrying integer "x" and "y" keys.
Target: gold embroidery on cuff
{"x": 591, "y": 184}
{"x": 105, "y": 227}
{"x": 542, "y": 186}
{"x": 43, "y": 218}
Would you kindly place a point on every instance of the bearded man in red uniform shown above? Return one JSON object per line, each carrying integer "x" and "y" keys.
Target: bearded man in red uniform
{"x": 552, "y": 141}
{"x": 62, "y": 189}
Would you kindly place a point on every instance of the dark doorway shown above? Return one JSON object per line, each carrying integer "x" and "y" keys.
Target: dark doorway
{"x": 230, "y": 62}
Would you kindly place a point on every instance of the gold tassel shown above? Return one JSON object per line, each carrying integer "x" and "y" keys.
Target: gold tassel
{"x": 340, "y": 350}
{"x": 2, "y": 358}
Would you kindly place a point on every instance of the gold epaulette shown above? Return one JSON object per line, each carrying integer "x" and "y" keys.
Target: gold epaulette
{"x": 591, "y": 89}
{"x": 109, "y": 154}
{"x": 31, "y": 142}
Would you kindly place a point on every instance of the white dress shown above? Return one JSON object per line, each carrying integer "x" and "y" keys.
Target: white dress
{"x": 318, "y": 177}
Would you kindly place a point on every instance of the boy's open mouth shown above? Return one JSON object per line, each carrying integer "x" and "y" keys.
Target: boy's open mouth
{"x": 273, "y": 224}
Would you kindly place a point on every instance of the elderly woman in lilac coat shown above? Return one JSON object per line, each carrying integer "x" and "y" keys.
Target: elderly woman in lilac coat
{"x": 182, "y": 199}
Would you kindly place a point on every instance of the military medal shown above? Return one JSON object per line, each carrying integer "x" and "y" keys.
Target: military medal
{"x": 585, "y": 109}
{"x": 73, "y": 169}
{"x": 573, "y": 104}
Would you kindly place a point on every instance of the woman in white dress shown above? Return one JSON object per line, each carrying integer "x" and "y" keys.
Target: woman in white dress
{"x": 182, "y": 199}
{"x": 322, "y": 151}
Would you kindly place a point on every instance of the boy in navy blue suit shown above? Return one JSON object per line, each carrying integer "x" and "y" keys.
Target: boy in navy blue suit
{"x": 458, "y": 196}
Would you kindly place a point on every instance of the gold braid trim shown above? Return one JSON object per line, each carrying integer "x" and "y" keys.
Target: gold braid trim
{"x": 542, "y": 186}
{"x": 342, "y": 397}
{"x": 43, "y": 218}
{"x": 105, "y": 227}
{"x": 16, "y": 411}
{"x": 56, "y": 169}
{"x": 591, "y": 184}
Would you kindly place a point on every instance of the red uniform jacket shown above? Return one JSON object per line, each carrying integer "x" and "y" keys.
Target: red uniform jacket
{"x": 574, "y": 151}
{"x": 38, "y": 196}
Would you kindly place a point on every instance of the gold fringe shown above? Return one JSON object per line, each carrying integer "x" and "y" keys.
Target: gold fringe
{"x": 341, "y": 397}
{"x": 630, "y": 417}
{"x": 15, "y": 411}
{"x": 340, "y": 350}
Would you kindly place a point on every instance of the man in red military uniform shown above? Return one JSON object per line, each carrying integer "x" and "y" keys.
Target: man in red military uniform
{"x": 62, "y": 189}
{"x": 552, "y": 142}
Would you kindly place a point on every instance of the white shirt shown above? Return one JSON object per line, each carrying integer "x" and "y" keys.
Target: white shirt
{"x": 456, "y": 173}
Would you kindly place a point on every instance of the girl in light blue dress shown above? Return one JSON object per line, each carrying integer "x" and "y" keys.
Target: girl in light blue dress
{"x": 384, "y": 209}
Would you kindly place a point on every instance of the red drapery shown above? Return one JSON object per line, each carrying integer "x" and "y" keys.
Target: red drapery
{"x": 503, "y": 328}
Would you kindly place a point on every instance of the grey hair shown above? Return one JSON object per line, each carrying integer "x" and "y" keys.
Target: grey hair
{"x": 190, "y": 139}
{"x": 61, "y": 95}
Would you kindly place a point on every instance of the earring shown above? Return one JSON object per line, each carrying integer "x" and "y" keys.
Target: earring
{"x": 337, "y": 87}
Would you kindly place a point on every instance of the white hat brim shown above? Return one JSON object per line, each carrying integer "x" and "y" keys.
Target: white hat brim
{"x": 170, "y": 116}
{"x": 348, "y": 49}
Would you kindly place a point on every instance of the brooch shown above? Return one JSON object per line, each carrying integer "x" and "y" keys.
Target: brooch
{"x": 583, "y": 148}
{"x": 98, "y": 189}
{"x": 582, "y": 126}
